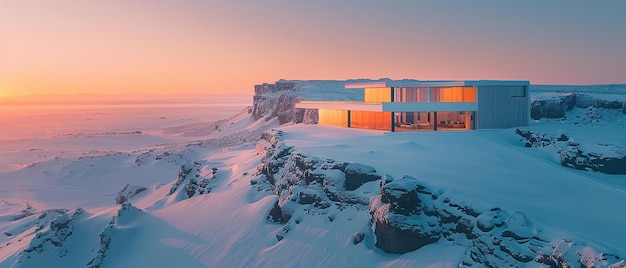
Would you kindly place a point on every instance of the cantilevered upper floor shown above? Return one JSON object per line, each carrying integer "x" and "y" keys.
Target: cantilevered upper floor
{"x": 492, "y": 103}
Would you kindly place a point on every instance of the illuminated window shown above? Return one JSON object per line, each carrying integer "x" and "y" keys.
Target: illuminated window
{"x": 370, "y": 120}
{"x": 453, "y": 94}
{"x": 333, "y": 117}
{"x": 377, "y": 95}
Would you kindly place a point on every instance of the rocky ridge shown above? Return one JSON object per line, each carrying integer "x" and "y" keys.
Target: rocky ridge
{"x": 407, "y": 214}
{"x": 54, "y": 228}
{"x": 555, "y": 105}
{"x": 573, "y": 156}
{"x": 278, "y": 101}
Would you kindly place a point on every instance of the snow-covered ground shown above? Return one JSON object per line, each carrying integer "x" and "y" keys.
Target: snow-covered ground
{"x": 58, "y": 196}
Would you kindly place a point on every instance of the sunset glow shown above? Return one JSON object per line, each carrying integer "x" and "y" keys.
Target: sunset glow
{"x": 199, "y": 47}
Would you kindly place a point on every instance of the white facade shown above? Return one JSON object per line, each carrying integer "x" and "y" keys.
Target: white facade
{"x": 434, "y": 105}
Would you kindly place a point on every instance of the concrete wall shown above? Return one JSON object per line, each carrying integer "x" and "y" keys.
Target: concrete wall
{"x": 498, "y": 109}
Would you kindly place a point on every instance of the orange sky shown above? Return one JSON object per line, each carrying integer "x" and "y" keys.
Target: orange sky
{"x": 210, "y": 47}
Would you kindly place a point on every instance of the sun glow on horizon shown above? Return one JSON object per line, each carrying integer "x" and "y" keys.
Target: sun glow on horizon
{"x": 120, "y": 47}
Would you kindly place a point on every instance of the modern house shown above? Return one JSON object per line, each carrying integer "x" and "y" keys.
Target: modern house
{"x": 430, "y": 105}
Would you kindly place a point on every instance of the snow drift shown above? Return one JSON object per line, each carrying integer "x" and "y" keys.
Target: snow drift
{"x": 236, "y": 193}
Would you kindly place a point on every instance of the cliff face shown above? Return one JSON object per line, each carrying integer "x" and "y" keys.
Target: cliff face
{"x": 556, "y": 105}
{"x": 278, "y": 101}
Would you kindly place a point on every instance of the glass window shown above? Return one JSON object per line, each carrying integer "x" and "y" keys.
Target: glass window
{"x": 377, "y": 95}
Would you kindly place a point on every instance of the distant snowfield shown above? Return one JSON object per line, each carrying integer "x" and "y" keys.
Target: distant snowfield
{"x": 228, "y": 226}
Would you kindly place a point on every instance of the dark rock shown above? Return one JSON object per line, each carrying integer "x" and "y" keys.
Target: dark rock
{"x": 321, "y": 204}
{"x": 394, "y": 235}
{"x": 283, "y": 231}
{"x": 488, "y": 220}
{"x": 314, "y": 177}
{"x": 308, "y": 116}
{"x": 518, "y": 253}
{"x": 569, "y": 100}
{"x": 553, "y": 109}
{"x": 465, "y": 226}
{"x": 547, "y": 109}
{"x": 585, "y": 101}
{"x": 624, "y": 107}
{"x": 563, "y": 137}
{"x": 358, "y": 238}
{"x": 577, "y": 159}
{"x": 398, "y": 226}
{"x": 610, "y": 104}
{"x": 536, "y": 111}
{"x": 401, "y": 194}
{"x": 190, "y": 189}
{"x": 276, "y": 214}
{"x": 340, "y": 166}
{"x": 358, "y": 174}
{"x": 307, "y": 198}
{"x": 385, "y": 180}
{"x": 276, "y": 101}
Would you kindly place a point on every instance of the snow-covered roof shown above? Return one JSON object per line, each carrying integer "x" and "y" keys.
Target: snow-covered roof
{"x": 443, "y": 83}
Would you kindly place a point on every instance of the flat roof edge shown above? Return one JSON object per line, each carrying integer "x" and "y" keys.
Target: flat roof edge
{"x": 339, "y": 106}
{"x": 365, "y": 85}
{"x": 459, "y": 83}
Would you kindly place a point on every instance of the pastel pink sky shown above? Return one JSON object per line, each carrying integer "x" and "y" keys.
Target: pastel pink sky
{"x": 211, "y": 47}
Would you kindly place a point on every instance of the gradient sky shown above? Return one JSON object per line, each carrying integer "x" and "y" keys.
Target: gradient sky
{"x": 209, "y": 47}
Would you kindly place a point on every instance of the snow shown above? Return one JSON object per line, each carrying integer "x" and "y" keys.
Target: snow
{"x": 229, "y": 227}
{"x": 487, "y": 166}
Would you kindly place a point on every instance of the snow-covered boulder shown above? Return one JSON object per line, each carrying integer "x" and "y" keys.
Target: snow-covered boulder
{"x": 401, "y": 195}
{"x": 398, "y": 225}
{"x": 490, "y": 219}
{"x": 553, "y": 106}
{"x": 518, "y": 227}
{"x": 358, "y": 174}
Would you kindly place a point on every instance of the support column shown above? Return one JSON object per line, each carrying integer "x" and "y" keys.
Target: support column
{"x": 393, "y": 114}
{"x": 349, "y": 123}
{"x": 435, "y": 121}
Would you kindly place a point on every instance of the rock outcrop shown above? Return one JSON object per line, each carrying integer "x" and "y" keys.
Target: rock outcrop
{"x": 572, "y": 155}
{"x": 552, "y": 108}
{"x": 299, "y": 179}
{"x": 357, "y": 174}
{"x": 556, "y": 105}
{"x": 399, "y": 225}
{"x": 195, "y": 183}
{"x": 51, "y": 236}
{"x": 278, "y": 101}
{"x": 126, "y": 210}
{"x": 406, "y": 214}
{"x": 128, "y": 192}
